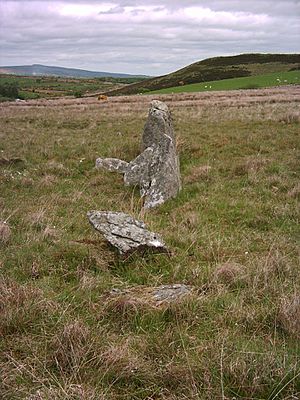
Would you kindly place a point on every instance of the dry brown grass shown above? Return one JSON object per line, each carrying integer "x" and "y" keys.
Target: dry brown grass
{"x": 57, "y": 168}
{"x": 5, "y": 232}
{"x": 69, "y": 392}
{"x": 229, "y": 273}
{"x": 50, "y": 233}
{"x": 198, "y": 173}
{"x": 126, "y": 103}
{"x": 37, "y": 218}
{"x": 26, "y": 181}
{"x": 289, "y": 315}
{"x": 124, "y": 305}
{"x": 87, "y": 281}
{"x": 295, "y": 191}
{"x": 48, "y": 180}
{"x": 251, "y": 166}
{"x": 122, "y": 360}
{"x": 35, "y": 270}
{"x": 291, "y": 117}
{"x": 20, "y": 305}
{"x": 70, "y": 346}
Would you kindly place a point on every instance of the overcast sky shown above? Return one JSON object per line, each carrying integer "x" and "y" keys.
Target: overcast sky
{"x": 150, "y": 37}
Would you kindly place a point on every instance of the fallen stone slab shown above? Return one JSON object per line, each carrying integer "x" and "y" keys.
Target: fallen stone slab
{"x": 170, "y": 292}
{"x": 156, "y": 169}
{"x": 125, "y": 233}
{"x": 154, "y": 296}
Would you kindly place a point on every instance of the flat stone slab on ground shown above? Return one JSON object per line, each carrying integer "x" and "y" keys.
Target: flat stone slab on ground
{"x": 125, "y": 233}
{"x": 155, "y": 296}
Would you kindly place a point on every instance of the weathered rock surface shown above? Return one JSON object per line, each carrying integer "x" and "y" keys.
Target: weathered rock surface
{"x": 154, "y": 296}
{"x": 156, "y": 169}
{"x": 171, "y": 292}
{"x": 125, "y": 233}
{"x": 158, "y": 124}
{"x": 112, "y": 164}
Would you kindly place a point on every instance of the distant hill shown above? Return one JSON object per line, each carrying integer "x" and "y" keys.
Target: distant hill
{"x": 217, "y": 68}
{"x": 44, "y": 70}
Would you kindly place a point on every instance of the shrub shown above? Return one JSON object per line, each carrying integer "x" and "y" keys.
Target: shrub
{"x": 9, "y": 90}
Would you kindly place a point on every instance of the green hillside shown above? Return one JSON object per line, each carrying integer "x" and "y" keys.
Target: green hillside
{"x": 34, "y": 87}
{"x": 249, "y": 82}
{"x": 218, "y": 68}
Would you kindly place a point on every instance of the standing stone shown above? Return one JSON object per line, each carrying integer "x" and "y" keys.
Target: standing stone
{"x": 125, "y": 233}
{"x": 158, "y": 124}
{"x": 156, "y": 169}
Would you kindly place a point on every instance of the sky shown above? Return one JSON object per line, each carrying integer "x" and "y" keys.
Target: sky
{"x": 151, "y": 37}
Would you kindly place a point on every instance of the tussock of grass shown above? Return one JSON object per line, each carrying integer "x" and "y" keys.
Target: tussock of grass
{"x": 229, "y": 273}
{"x": 295, "y": 191}
{"x": 233, "y": 231}
{"x": 289, "y": 315}
{"x": 21, "y": 306}
{"x": 48, "y": 180}
{"x": 70, "y": 346}
{"x": 50, "y": 233}
{"x": 292, "y": 117}
{"x": 198, "y": 174}
{"x": 5, "y": 232}
{"x": 69, "y": 392}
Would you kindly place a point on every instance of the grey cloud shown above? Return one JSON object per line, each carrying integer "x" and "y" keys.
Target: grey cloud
{"x": 157, "y": 42}
{"x": 113, "y": 10}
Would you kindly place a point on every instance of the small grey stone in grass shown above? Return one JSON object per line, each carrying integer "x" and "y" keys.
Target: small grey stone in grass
{"x": 171, "y": 292}
{"x": 154, "y": 296}
{"x": 112, "y": 164}
{"x": 125, "y": 233}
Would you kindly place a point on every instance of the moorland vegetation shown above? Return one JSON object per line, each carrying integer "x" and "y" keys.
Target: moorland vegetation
{"x": 233, "y": 231}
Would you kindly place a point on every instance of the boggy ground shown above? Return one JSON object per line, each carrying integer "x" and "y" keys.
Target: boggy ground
{"x": 233, "y": 230}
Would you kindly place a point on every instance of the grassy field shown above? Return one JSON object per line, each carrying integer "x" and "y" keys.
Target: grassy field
{"x": 233, "y": 231}
{"x": 49, "y": 86}
{"x": 249, "y": 82}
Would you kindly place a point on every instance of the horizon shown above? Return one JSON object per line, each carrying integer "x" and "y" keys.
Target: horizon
{"x": 120, "y": 72}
